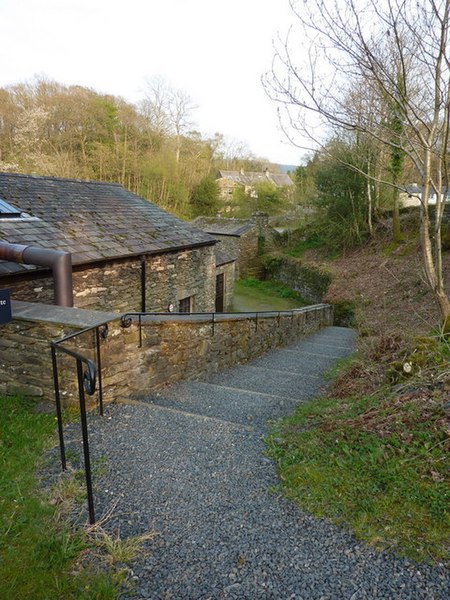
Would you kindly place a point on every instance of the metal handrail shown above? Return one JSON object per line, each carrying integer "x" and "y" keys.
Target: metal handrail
{"x": 88, "y": 374}
{"x": 87, "y": 379}
{"x": 127, "y": 318}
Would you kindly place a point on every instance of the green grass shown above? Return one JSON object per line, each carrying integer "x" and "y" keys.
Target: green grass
{"x": 257, "y": 295}
{"x": 375, "y": 464}
{"x": 310, "y": 243}
{"x": 39, "y": 552}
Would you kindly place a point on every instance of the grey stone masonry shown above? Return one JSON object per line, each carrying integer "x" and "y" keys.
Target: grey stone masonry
{"x": 25, "y": 359}
{"x": 173, "y": 347}
{"x": 116, "y": 286}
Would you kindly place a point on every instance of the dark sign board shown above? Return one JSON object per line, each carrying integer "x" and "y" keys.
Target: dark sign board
{"x": 5, "y": 307}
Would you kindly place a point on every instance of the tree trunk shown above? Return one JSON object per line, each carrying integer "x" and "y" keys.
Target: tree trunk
{"x": 369, "y": 207}
{"x": 433, "y": 276}
{"x": 396, "y": 227}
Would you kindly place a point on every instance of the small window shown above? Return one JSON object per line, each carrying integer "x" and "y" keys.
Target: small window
{"x": 7, "y": 211}
{"x": 185, "y": 305}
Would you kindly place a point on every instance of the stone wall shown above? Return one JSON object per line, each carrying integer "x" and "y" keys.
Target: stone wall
{"x": 230, "y": 245}
{"x": 173, "y": 348}
{"x": 249, "y": 261}
{"x": 174, "y": 276}
{"x": 116, "y": 285}
{"x": 247, "y": 250}
{"x": 25, "y": 357}
{"x": 312, "y": 283}
{"x": 25, "y": 362}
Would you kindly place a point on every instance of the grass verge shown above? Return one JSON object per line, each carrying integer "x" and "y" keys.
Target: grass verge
{"x": 310, "y": 242}
{"x": 41, "y": 555}
{"x": 270, "y": 288}
{"x": 376, "y": 463}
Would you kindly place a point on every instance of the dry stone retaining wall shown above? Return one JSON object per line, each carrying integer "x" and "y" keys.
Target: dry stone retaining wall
{"x": 311, "y": 282}
{"x": 173, "y": 348}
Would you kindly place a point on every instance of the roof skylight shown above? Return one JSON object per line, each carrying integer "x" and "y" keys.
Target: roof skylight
{"x": 7, "y": 211}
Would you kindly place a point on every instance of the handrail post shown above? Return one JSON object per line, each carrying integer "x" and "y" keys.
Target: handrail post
{"x": 99, "y": 372}
{"x": 140, "y": 330}
{"x": 84, "y": 431}
{"x": 213, "y": 323}
{"x": 62, "y": 449}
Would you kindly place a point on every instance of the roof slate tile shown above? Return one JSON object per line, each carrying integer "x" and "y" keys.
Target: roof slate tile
{"x": 93, "y": 220}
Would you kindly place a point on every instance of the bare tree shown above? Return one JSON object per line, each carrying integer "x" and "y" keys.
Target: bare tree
{"x": 168, "y": 111}
{"x": 180, "y": 114}
{"x": 396, "y": 54}
{"x": 154, "y": 106}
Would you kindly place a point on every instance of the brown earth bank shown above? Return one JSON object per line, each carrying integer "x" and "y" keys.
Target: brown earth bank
{"x": 395, "y": 313}
{"x": 387, "y": 286}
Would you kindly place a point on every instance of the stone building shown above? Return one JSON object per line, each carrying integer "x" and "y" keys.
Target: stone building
{"x": 229, "y": 181}
{"x": 244, "y": 239}
{"x": 412, "y": 196}
{"x": 127, "y": 254}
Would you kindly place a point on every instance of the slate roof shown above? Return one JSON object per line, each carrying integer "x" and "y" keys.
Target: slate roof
{"x": 223, "y": 226}
{"x": 95, "y": 221}
{"x": 222, "y": 257}
{"x": 413, "y": 188}
{"x": 254, "y": 177}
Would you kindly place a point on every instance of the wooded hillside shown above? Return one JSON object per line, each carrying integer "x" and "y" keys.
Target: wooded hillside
{"x": 47, "y": 128}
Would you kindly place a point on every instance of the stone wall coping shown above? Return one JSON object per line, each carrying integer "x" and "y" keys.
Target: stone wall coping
{"x": 60, "y": 315}
{"x": 208, "y": 317}
{"x": 83, "y": 318}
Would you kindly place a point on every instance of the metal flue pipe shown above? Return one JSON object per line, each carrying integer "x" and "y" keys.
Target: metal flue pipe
{"x": 60, "y": 263}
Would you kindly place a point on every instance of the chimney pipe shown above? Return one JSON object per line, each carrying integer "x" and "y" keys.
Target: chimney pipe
{"x": 60, "y": 263}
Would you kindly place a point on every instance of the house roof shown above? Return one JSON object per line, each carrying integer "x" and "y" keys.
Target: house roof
{"x": 222, "y": 257}
{"x": 224, "y": 226}
{"x": 413, "y": 188}
{"x": 94, "y": 221}
{"x": 255, "y": 177}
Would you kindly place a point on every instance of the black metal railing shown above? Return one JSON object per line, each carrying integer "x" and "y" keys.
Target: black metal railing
{"x": 127, "y": 319}
{"x": 88, "y": 373}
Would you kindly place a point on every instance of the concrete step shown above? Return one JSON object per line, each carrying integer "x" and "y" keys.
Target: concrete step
{"x": 228, "y": 404}
{"x": 265, "y": 388}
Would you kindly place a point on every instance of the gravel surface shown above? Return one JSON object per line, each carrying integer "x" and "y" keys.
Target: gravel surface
{"x": 188, "y": 463}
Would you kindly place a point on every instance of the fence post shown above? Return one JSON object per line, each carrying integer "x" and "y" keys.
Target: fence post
{"x": 84, "y": 431}
{"x": 99, "y": 371}
{"x": 62, "y": 450}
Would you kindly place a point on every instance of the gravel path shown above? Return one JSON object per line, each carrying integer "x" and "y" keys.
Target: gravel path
{"x": 189, "y": 464}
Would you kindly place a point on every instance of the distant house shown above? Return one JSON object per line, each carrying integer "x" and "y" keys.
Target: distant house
{"x": 229, "y": 181}
{"x": 127, "y": 253}
{"x": 243, "y": 239}
{"x": 412, "y": 196}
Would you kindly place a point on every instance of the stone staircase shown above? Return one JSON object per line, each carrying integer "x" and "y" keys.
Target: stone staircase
{"x": 188, "y": 464}
{"x": 263, "y": 389}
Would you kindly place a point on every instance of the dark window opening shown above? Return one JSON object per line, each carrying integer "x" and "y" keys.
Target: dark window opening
{"x": 220, "y": 288}
{"x": 7, "y": 211}
{"x": 185, "y": 305}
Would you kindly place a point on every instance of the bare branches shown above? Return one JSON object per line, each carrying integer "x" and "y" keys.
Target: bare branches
{"x": 378, "y": 68}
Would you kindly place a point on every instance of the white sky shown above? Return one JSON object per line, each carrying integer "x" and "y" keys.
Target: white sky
{"x": 214, "y": 51}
